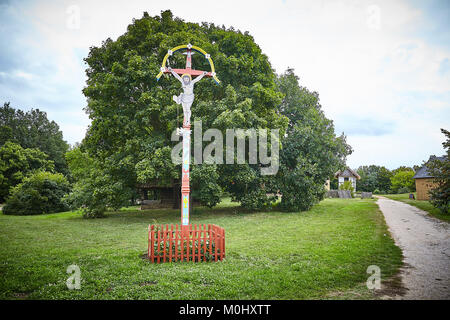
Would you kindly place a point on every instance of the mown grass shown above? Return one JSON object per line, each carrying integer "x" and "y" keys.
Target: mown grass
{"x": 421, "y": 204}
{"x": 320, "y": 254}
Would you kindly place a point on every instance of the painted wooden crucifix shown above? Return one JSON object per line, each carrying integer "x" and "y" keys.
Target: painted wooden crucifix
{"x": 186, "y": 98}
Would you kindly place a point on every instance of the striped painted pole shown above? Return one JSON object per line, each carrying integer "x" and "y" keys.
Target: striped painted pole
{"x": 185, "y": 188}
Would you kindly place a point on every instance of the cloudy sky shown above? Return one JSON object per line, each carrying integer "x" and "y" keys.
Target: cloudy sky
{"x": 382, "y": 68}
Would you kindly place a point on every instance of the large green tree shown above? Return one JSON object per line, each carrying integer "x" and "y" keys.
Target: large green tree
{"x": 133, "y": 116}
{"x": 16, "y": 163}
{"x": 32, "y": 129}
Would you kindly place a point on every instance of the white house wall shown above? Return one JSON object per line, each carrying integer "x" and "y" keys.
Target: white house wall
{"x": 352, "y": 179}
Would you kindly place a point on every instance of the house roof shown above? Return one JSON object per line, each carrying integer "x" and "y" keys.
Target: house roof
{"x": 423, "y": 172}
{"x": 346, "y": 173}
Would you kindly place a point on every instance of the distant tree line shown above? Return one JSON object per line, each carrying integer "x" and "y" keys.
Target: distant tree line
{"x": 33, "y": 169}
{"x": 380, "y": 180}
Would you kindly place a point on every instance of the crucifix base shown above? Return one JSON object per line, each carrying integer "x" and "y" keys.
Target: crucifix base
{"x": 197, "y": 243}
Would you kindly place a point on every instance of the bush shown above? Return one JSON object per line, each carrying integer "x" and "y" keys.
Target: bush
{"x": 204, "y": 184}
{"x": 440, "y": 200}
{"x": 403, "y": 179}
{"x": 347, "y": 185}
{"x": 376, "y": 191}
{"x": 403, "y": 190}
{"x": 42, "y": 192}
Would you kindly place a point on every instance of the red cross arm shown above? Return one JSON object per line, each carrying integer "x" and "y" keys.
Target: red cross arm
{"x": 192, "y": 72}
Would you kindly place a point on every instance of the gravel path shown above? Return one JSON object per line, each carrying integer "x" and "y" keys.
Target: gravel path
{"x": 425, "y": 242}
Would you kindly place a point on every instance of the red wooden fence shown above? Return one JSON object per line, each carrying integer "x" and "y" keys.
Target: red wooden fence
{"x": 196, "y": 243}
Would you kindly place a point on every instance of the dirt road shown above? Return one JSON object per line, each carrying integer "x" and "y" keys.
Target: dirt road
{"x": 425, "y": 242}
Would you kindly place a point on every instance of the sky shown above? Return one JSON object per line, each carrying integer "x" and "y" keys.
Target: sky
{"x": 381, "y": 68}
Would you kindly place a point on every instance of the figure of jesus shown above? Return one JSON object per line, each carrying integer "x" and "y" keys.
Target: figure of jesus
{"x": 187, "y": 97}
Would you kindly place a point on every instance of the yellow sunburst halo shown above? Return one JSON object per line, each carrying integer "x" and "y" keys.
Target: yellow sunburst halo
{"x": 186, "y": 74}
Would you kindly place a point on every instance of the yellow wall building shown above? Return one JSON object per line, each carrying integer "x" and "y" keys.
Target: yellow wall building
{"x": 423, "y": 186}
{"x": 424, "y": 181}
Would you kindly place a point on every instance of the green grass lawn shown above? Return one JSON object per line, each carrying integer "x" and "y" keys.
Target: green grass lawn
{"x": 320, "y": 254}
{"x": 421, "y": 204}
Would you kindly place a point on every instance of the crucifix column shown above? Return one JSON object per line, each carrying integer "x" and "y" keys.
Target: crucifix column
{"x": 185, "y": 188}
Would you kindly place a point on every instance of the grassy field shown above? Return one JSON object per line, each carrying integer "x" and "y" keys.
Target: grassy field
{"x": 320, "y": 254}
{"x": 421, "y": 204}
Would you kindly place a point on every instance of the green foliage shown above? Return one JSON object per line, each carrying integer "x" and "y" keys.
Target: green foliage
{"x": 374, "y": 177}
{"x": 157, "y": 166}
{"x": 84, "y": 194}
{"x": 440, "y": 170}
{"x": 94, "y": 190}
{"x": 204, "y": 183}
{"x": 32, "y": 129}
{"x": 403, "y": 179}
{"x": 402, "y": 168}
{"x": 16, "y": 163}
{"x": 42, "y": 192}
{"x": 347, "y": 185}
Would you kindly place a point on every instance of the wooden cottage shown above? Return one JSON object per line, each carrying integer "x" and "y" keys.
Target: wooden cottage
{"x": 154, "y": 195}
{"x": 347, "y": 175}
{"x": 424, "y": 181}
